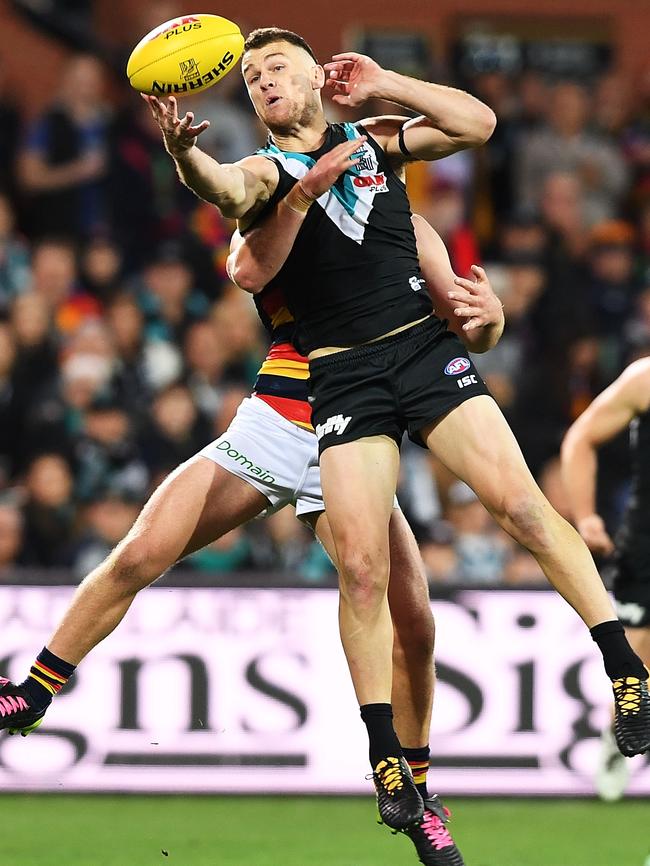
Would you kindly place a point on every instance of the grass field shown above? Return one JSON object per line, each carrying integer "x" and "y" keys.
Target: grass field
{"x": 200, "y": 831}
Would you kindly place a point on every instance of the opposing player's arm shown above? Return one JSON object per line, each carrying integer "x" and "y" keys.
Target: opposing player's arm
{"x": 449, "y": 120}
{"x": 258, "y": 255}
{"x": 474, "y": 312}
{"x": 609, "y": 414}
{"x": 237, "y": 189}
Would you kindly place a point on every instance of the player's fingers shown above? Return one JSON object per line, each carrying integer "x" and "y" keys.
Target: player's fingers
{"x": 199, "y": 128}
{"x": 465, "y": 297}
{"x": 468, "y": 311}
{"x": 173, "y": 108}
{"x": 186, "y": 121}
{"x": 469, "y": 285}
{"x": 471, "y": 325}
{"x": 478, "y": 272}
{"x": 347, "y": 55}
{"x": 341, "y": 98}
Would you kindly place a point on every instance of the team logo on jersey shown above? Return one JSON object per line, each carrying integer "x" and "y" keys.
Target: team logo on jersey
{"x": 366, "y": 161}
{"x": 457, "y": 366}
{"x": 335, "y": 424}
{"x": 365, "y": 174}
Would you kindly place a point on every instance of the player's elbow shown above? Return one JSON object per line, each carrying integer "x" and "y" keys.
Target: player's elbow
{"x": 485, "y": 122}
{"x": 243, "y": 276}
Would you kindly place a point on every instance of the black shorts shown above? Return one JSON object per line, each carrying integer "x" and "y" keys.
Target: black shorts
{"x": 629, "y": 578}
{"x": 400, "y": 383}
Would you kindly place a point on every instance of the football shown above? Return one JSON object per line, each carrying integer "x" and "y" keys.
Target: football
{"x": 185, "y": 55}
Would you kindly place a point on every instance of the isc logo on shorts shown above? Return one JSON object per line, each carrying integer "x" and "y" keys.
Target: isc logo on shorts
{"x": 457, "y": 366}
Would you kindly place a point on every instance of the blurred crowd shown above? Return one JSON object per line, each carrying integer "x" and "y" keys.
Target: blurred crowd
{"x": 124, "y": 348}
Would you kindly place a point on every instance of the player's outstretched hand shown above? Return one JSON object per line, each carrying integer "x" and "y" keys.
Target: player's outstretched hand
{"x": 353, "y": 78}
{"x": 330, "y": 167}
{"x": 477, "y": 301}
{"x": 179, "y": 134}
{"x": 596, "y": 537}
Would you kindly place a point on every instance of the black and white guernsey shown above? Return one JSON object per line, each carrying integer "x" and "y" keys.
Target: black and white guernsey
{"x": 353, "y": 272}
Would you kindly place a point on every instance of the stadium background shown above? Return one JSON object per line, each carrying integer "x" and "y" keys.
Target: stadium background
{"x": 123, "y": 348}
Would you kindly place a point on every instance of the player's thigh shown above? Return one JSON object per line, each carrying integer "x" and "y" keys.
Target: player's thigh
{"x": 359, "y": 480}
{"x": 475, "y": 442}
{"x": 193, "y": 506}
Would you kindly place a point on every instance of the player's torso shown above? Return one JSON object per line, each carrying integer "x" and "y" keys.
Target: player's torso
{"x": 353, "y": 272}
{"x": 283, "y": 379}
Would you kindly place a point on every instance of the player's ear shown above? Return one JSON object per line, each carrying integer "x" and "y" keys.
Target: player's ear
{"x": 317, "y": 78}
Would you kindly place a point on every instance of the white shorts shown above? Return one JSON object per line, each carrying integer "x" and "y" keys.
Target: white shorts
{"x": 276, "y": 457}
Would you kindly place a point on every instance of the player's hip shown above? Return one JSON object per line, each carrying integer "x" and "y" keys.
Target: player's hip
{"x": 401, "y": 383}
{"x": 276, "y": 457}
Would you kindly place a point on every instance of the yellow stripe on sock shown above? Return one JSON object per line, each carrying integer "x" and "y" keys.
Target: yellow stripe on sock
{"x": 50, "y": 674}
{"x": 49, "y": 687}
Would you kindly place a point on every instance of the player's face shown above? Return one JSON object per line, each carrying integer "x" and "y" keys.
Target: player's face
{"x": 284, "y": 85}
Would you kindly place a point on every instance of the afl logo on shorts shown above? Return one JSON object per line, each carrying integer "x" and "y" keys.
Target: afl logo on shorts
{"x": 457, "y": 366}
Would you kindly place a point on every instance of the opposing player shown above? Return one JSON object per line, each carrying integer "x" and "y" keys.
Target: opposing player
{"x": 625, "y": 403}
{"x": 380, "y": 361}
{"x": 266, "y": 458}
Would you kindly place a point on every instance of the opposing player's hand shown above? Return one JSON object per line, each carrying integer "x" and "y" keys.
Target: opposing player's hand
{"x": 596, "y": 537}
{"x": 353, "y": 78}
{"x": 476, "y": 301}
{"x": 330, "y": 167}
{"x": 179, "y": 134}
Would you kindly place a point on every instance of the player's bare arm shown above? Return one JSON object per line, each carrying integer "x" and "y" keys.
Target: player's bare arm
{"x": 474, "y": 312}
{"x": 253, "y": 263}
{"x": 239, "y": 190}
{"x": 450, "y": 120}
{"x": 609, "y": 414}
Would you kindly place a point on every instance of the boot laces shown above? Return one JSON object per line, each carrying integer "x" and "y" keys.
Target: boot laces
{"x": 628, "y": 695}
{"x": 10, "y": 704}
{"x": 389, "y": 773}
{"x": 435, "y": 831}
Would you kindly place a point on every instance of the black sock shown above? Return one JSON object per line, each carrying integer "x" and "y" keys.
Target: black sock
{"x": 47, "y": 677}
{"x": 383, "y": 739}
{"x": 620, "y": 659}
{"x": 418, "y": 761}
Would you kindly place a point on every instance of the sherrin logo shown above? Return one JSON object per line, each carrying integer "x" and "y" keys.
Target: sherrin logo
{"x": 457, "y": 366}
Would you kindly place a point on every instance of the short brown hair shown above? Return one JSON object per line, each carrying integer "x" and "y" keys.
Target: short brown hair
{"x": 266, "y": 35}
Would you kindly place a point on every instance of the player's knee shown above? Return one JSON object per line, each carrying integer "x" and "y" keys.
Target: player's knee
{"x": 132, "y": 564}
{"x": 528, "y": 520}
{"x": 364, "y": 578}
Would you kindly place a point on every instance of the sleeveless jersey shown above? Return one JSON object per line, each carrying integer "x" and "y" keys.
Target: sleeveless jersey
{"x": 353, "y": 273}
{"x": 283, "y": 378}
{"x": 633, "y": 537}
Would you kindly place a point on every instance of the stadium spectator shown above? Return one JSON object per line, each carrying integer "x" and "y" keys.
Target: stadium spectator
{"x": 101, "y": 269}
{"x": 167, "y": 296}
{"x": 206, "y": 358}
{"x": 14, "y": 258}
{"x": 565, "y": 144}
{"x": 9, "y": 413}
{"x": 11, "y": 537}
{"x": 177, "y": 430}
{"x": 107, "y": 454}
{"x": 106, "y": 520}
{"x": 10, "y": 124}
{"x": 63, "y": 163}
{"x": 49, "y": 513}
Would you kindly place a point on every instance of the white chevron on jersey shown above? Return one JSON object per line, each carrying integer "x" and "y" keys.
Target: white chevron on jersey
{"x": 349, "y": 210}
